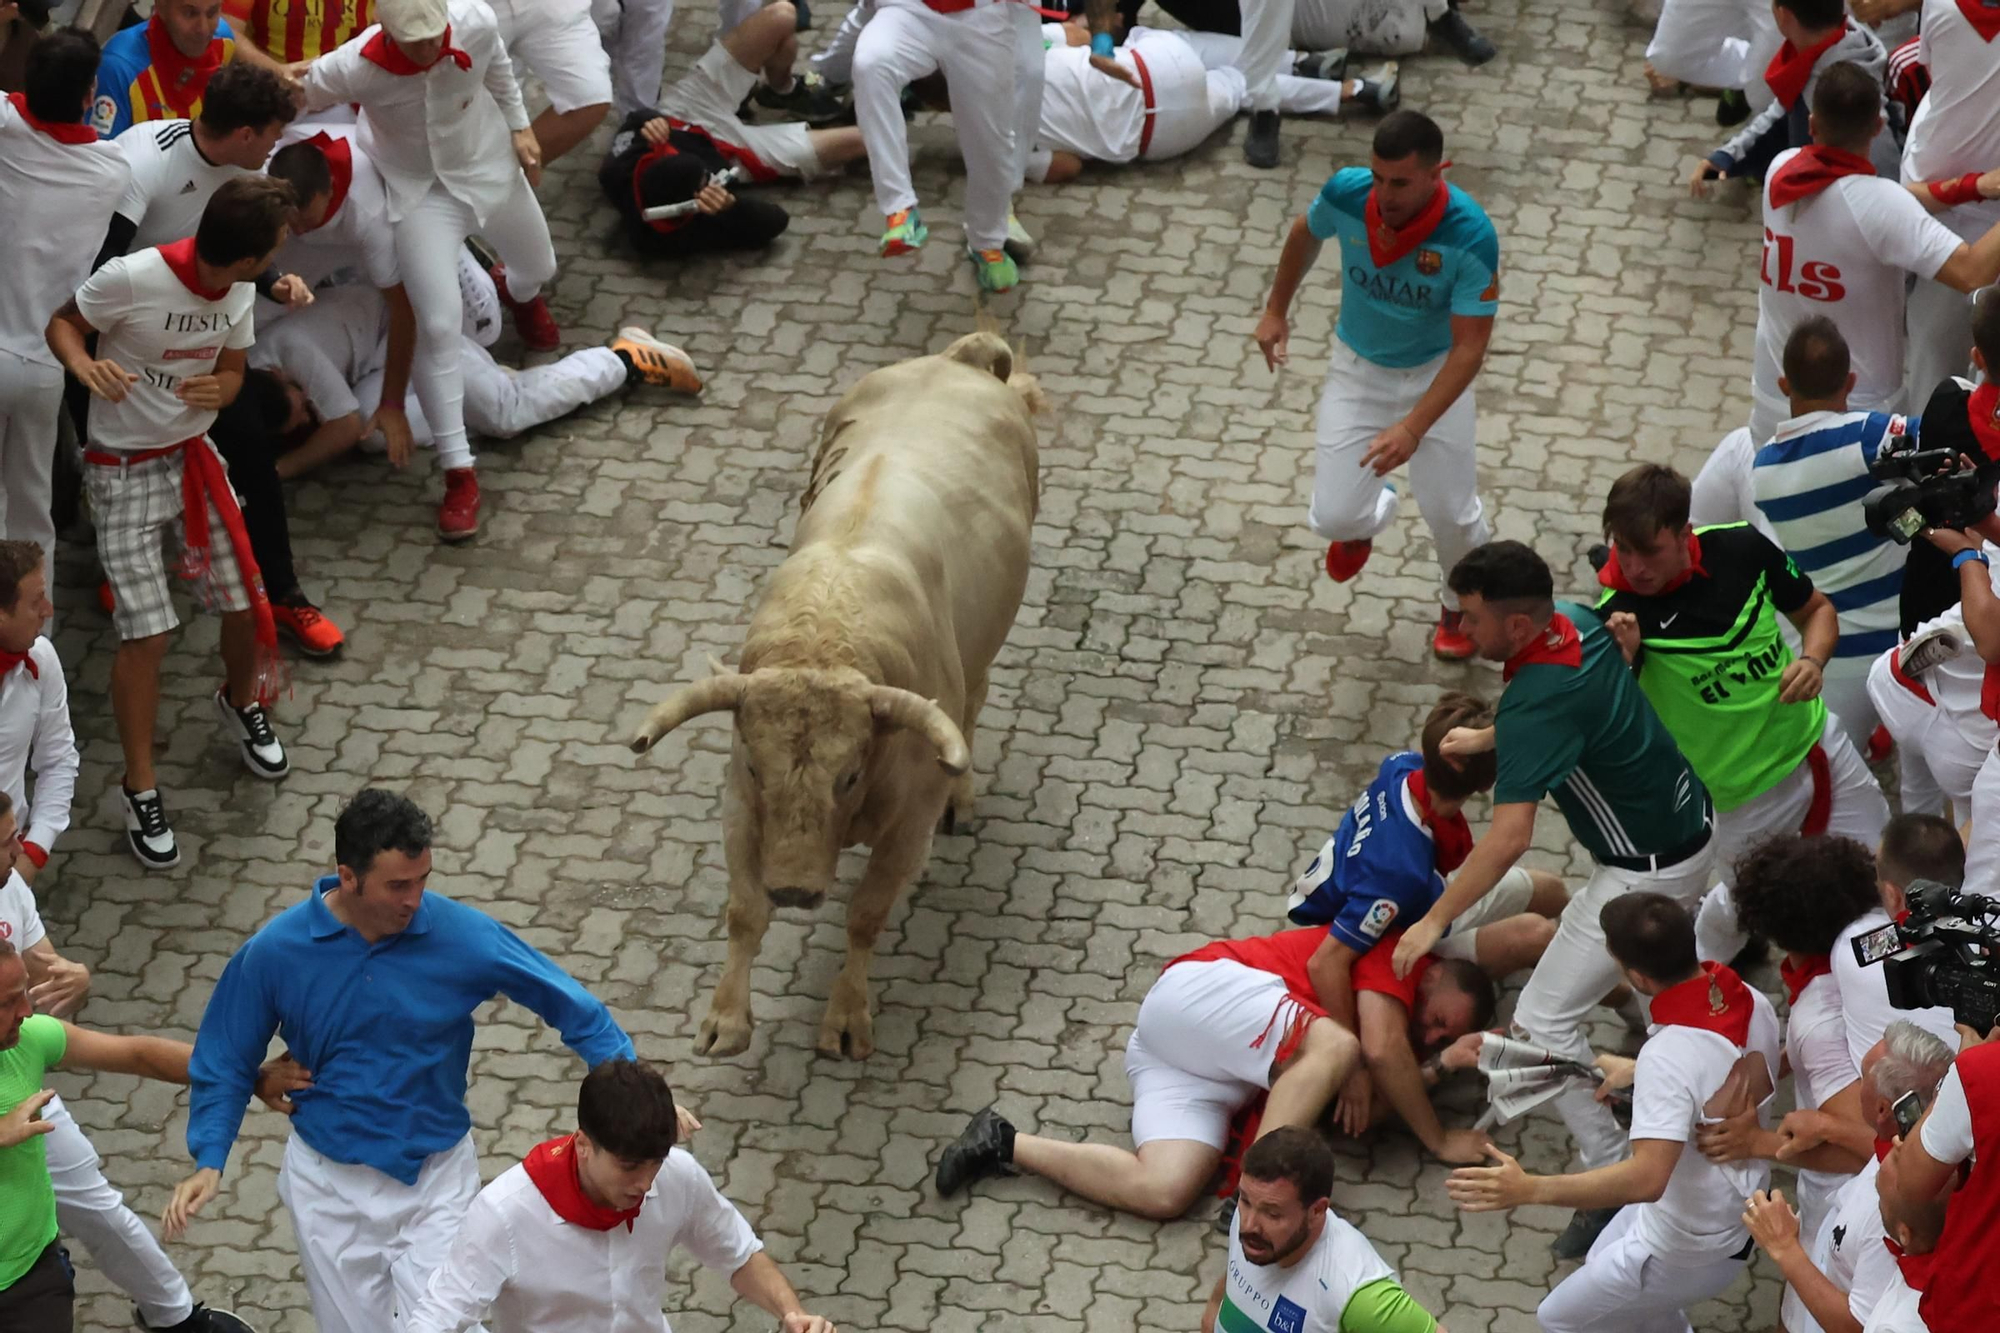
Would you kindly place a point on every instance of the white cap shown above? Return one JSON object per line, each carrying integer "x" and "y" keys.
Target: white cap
{"x": 412, "y": 20}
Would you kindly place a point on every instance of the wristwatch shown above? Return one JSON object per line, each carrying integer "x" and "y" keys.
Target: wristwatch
{"x": 1958, "y": 561}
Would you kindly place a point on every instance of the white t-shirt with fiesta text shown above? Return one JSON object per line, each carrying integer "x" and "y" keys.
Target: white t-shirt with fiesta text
{"x": 171, "y": 181}
{"x": 1681, "y": 1069}
{"x": 157, "y": 327}
{"x": 1844, "y": 252}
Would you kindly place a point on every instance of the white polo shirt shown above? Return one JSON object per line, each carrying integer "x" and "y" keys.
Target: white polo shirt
{"x": 445, "y": 125}
{"x": 1897, "y": 1311}
{"x": 156, "y": 326}
{"x": 1700, "y": 1215}
{"x": 1850, "y": 1249}
{"x": 57, "y": 198}
{"x": 1864, "y": 996}
{"x": 329, "y": 347}
{"x": 35, "y": 735}
{"x": 1816, "y": 1047}
{"x": 171, "y": 181}
{"x": 354, "y": 242}
{"x": 20, "y": 922}
{"x": 1844, "y": 252}
{"x": 540, "y": 1273}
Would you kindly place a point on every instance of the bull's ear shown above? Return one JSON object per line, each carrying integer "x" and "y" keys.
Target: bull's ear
{"x": 896, "y": 708}
{"x": 716, "y": 694}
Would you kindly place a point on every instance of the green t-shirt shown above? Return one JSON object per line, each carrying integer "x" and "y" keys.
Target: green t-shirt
{"x": 1585, "y": 735}
{"x": 1712, "y": 658}
{"x": 27, "y": 1200}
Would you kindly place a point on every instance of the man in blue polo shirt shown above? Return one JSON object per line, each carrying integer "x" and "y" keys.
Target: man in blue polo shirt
{"x": 372, "y": 983}
{"x": 1420, "y": 283}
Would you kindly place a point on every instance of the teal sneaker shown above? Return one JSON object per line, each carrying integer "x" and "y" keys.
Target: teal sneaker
{"x": 904, "y": 235}
{"x": 994, "y": 269}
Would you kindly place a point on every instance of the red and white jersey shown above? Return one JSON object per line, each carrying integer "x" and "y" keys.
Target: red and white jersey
{"x": 356, "y": 235}
{"x": 57, "y": 186}
{"x": 171, "y": 181}
{"x": 153, "y": 322}
{"x": 1844, "y": 252}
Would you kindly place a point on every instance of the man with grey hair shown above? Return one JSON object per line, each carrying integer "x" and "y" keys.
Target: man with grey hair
{"x": 1834, "y": 1279}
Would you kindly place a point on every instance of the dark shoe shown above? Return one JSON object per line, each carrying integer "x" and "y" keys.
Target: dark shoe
{"x": 804, "y": 20}
{"x": 147, "y": 831}
{"x": 1379, "y": 90}
{"x": 1465, "y": 41}
{"x": 1582, "y": 1232}
{"x": 984, "y": 1149}
{"x": 1225, "y": 1217}
{"x": 1732, "y": 108}
{"x": 250, "y": 729}
{"x": 810, "y": 99}
{"x": 532, "y": 319}
{"x": 1328, "y": 64}
{"x": 1260, "y": 145}
{"x": 203, "y": 1320}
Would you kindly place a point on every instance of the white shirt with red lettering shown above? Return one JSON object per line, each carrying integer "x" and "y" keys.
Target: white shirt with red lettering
{"x": 155, "y": 326}
{"x": 1845, "y": 252}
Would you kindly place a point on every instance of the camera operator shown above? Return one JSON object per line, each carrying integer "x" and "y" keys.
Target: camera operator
{"x": 1962, "y": 1125}
{"x": 1913, "y": 848}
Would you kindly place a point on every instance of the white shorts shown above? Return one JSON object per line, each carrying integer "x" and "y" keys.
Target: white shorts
{"x": 1924, "y": 729}
{"x": 1509, "y": 897}
{"x": 561, "y": 45}
{"x": 708, "y": 96}
{"x": 1202, "y": 1049}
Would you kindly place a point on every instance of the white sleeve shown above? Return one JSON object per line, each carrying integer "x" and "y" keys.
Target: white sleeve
{"x": 105, "y": 297}
{"x": 17, "y": 909}
{"x": 142, "y": 157}
{"x": 1723, "y": 490}
{"x": 500, "y": 80}
{"x": 1947, "y": 1131}
{"x": 331, "y": 79}
{"x": 54, "y": 756}
{"x": 1828, "y": 1067}
{"x": 1874, "y": 1269}
{"x": 482, "y": 1262}
{"x": 326, "y": 388}
{"x": 1900, "y": 232}
{"x": 244, "y": 331}
{"x": 712, "y": 1230}
{"x": 1664, "y": 1104}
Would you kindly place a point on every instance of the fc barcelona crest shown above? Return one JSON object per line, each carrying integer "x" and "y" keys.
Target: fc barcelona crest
{"x": 1429, "y": 262}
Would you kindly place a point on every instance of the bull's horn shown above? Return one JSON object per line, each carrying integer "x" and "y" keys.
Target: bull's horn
{"x": 704, "y": 696}
{"x": 901, "y": 708}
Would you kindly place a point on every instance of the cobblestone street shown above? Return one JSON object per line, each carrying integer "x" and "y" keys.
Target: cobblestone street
{"x": 1182, "y": 711}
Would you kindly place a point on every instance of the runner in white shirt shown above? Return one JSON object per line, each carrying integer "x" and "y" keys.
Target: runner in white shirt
{"x": 1914, "y": 847}
{"x": 1292, "y": 1265}
{"x": 578, "y": 1235}
{"x": 1927, "y": 692}
{"x": 172, "y": 326}
{"x": 1713, "y": 1053}
{"x": 35, "y": 731}
{"x": 1840, "y": 241}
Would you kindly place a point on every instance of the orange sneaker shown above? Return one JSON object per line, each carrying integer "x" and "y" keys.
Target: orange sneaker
{"x": 662, "y": 365}
{"x": 1449, "y": 643}
{"x": 458, "y": 516}
{"x": 302, "y": 622}
{"x": 1345, "y": 559}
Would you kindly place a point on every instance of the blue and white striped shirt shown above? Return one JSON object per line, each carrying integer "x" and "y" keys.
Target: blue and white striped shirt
{"x": 1809, "y": 483}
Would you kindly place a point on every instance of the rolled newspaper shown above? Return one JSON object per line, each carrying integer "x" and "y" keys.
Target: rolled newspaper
{"x": 726, "y": 177}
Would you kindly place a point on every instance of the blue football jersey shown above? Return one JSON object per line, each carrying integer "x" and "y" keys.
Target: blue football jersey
{"x": 1378, "y": 872}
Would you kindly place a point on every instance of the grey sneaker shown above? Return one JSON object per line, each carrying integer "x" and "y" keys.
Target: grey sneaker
{"x": 1926, "y": 650}
{"x": 1329, "y": 64}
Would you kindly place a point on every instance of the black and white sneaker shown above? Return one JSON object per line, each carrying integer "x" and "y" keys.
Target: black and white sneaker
{"x": 1932, "y": 647}
{"x": 147, "y": 832}
{"x": 250, "y": 728}
{"x": 203, "y": 1320}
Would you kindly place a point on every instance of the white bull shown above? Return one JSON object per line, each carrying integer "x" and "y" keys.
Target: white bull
{"x": 864, "y": 668}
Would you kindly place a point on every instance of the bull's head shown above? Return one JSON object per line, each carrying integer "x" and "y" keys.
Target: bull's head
{"x": 806, "y": 745}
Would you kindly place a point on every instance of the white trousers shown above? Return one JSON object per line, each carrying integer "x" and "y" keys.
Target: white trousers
{"x": 1350, "y": 503}
{"x": 1844, "y": 686}
{"x": 429, "y": 239}
{"x": 1858, "y": 811}
{"x": 368, "y": 1243}
{"x": 1623, "y": 1287}
{"x": 1982, "y": 849}
{"x": 1716, "y": 44}
{"x": 834, "y": 62}
{"x": 501, "y": 402}
{"x": 30, "y": 402}
{"x": 992, "y": 58}
{"x": 90, "y": 1210}
{"x": 1296, "y": 96}
{"x": 1267, "y": 32}
{"x": 634, "y": 33}
{"x": 1935, "y": 757}
{"x": 1575, "y": 975}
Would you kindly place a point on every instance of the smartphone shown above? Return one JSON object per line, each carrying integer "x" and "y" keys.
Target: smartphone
{"x": 1876, "y": 945}
{"x": 1907, "y": 1109}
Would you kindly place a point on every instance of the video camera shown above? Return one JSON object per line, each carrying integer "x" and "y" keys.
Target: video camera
{"x": 1944, "y": 953}
{"x": 1925, "y": 488}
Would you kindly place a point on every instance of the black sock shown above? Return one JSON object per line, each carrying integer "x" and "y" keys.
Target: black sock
{"x": 1006, "y": 1142}
{"x": 625, "y": 359}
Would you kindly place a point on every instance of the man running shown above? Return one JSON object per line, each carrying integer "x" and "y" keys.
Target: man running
{"x": 1421, "y": 285}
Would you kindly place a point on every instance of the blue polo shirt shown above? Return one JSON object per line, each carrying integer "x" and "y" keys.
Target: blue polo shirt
{"x": 1399, "y": 316}
{"x": 385, "y": 1029}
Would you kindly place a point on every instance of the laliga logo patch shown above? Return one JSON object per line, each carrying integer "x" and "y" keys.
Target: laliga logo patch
{"x": 1380, "y": 916}
{"x": 1429, "y": 263}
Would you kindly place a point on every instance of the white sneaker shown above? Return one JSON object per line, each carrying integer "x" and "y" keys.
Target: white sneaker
{"x": 250, "y": 729}
{"x": 147, "y": 832}
{"x": 1927, "y": 649}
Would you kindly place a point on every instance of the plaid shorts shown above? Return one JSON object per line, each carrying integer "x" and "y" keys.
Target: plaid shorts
{"x": 134, "y": 505}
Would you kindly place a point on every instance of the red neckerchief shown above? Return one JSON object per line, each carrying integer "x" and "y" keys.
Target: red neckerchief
{"x": 77, "y": 133}
{"x": 552, "y": 1166}
{"x": 1802, "y": 974}
{"x": 1559, "y": 645}
{"x": 204, "y": 483}
{"x": 1812, "y": 169}
{"x": 382, "y": 50}
{"x": 1387, "y": 244}
{"x": 1980, "y": 407}
{"x": 180, "y": 79}
{"x": 8, "y": 661}
{"x": 1791, "y": 68}
{"x": 1716, "y": 1001}
{"x": 339, "y": 155}
{"x": 1613, "y": 574}
{"x": 1451, "y": 836}
{"x": 1985, "y": 19}
{"x": 181, "y": 260}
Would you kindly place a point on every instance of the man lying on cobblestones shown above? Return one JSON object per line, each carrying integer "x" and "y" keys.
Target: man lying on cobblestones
{"x": 1679, "y": 1237}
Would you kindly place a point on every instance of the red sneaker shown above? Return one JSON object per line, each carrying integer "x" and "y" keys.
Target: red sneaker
{"x": 1449, "y": 643}
{"x": 300, "y": 620}
{"x": 1879, "y": 745}
{"x": 104, "y": 597}
{"x": 532, "y": 320}
{"x": 1345, "y": 559}
{"x": 458, "y": 516}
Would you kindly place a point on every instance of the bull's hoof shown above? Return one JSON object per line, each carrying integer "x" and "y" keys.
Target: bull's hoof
{"x": 722, "y": 1035}
{"x": 954, "y": 821}
{"x": 852, "y": 1038}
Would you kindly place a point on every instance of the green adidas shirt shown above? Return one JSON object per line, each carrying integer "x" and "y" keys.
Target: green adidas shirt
{"x": 1711, "y": 659}
{"x": 27, "y": 1199}
{"x": 1586, "y": 736}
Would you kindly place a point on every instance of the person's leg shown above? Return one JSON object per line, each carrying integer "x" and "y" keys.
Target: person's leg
{"x": 43, "y": 1299}
{"x": 1939, "y": 319}
{"x": 519, "y": 233}
{"x": 1160, "y": 1181}
{"x": 1859, "y": 810}
{"x": 347, "y": 1239}
{"x": 1310, "y": 97}
{"x": 635, "y": 33}
{"x": 835, "y": 148}
{"x": 1217, "y": 50}
{"x": 500, "y": 403}
{"x": 1624, "y": 1288}
{"x": 1845, "y": 689}
{"x": 732, "y": 14}
{"x": 428, "y": 239}
{"x": 1031, "y": 71}
{"x": 894, "y": 49}
{"x": 254, "y": 475}
{"x": 766, "y": 43}
{"x": 1349, "y": 502}
{"x": 1444, "y": 474}
{"x": 443, "y": 1192}
{"x": 835, "y": 61}
{"x": 977, "y": 53}
{"x": 93, "y": 1213}
{"x": 133, "y": 506}
{"x": 1267, "y": 34}
{"x": 30, "y": 400}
